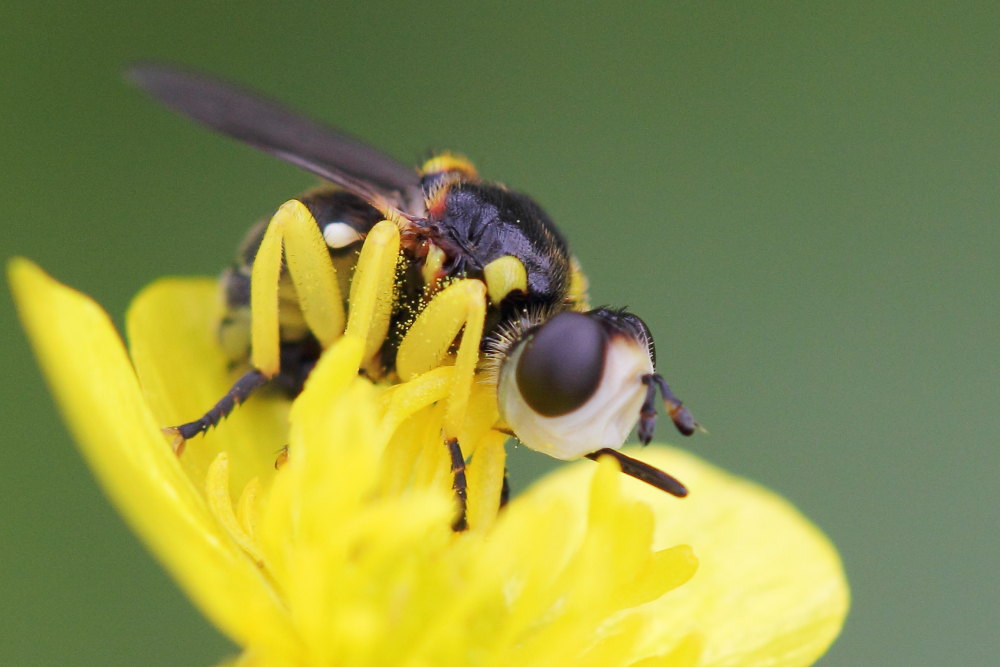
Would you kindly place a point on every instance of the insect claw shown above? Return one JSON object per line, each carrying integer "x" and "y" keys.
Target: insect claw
{"x": 681, "y": 417}
{"x": 647, "y": 423}
{"x": 177, "y": 441}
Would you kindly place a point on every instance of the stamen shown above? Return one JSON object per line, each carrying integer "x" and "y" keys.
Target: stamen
{"x": 221, "y": 505}
{"x": 247, "y": 506}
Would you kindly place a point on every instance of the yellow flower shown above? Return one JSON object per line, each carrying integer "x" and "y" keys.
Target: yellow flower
{"x": 345, "y": 556}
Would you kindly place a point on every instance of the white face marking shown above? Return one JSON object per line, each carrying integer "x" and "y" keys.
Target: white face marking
{"x": 603, "y": 421}
{"x": 340, "y": 235}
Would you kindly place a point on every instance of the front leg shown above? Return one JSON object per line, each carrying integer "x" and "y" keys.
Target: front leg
{"x": 293, "y": 239}
{"x": 459, "y": 484}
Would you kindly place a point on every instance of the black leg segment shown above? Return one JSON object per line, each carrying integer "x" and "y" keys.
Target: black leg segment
{"x": 679, "y": 414}
{"x": 682, "y": 419}
{"x": 647, "y": 413}
{"x": 458, "y": 483}
{"x": 239, "y": 392}
{"x": 644, "y": 472}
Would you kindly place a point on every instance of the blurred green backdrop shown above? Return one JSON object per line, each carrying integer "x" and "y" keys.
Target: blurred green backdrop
{"x": 801, "y": 200}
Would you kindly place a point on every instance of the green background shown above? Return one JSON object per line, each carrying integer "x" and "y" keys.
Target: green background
{"x": 800, "y": 198}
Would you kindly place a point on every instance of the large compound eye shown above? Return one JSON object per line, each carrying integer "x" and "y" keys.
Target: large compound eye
{"x": 562, "y": 363}
{"x": 574, "y": 385}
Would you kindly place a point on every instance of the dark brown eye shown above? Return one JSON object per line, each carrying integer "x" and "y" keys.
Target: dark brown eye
{"x": 562, "y": 363}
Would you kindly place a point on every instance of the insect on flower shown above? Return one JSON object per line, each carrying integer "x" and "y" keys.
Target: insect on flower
{"x": 430, "y": 267}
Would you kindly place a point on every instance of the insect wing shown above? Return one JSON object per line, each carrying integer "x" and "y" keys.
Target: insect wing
{"x": 272, "y": 128}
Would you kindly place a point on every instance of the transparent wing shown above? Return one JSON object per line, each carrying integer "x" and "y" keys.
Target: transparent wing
{"x": 272, "y": 128}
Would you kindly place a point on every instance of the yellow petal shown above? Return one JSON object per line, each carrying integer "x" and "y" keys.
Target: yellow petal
{"x": 97, "y": 391}
{"x": 770, "y": 588}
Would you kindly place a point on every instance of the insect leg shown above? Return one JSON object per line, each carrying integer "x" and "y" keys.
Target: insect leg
{"x": 294, "y": 229}
{"x": 679, "y": 414}
{"x": 644, "y": 472}
{"x": 239, "y": 392}
{"x": 458, "y": 484}
{"x": 647, "y": 413}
